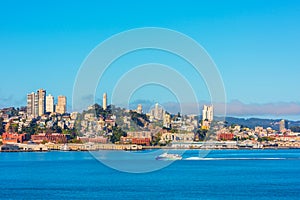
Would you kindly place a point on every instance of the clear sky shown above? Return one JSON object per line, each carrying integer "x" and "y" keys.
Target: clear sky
{"x": 255, "y": 44}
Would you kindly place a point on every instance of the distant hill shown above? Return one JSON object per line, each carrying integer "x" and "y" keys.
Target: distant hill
{"x": 252, "y": 122}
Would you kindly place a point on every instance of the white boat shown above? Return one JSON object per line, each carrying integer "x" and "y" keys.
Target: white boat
{"x": 168, "y": 156}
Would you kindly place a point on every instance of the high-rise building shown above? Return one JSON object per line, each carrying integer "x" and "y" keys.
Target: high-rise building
{"x": 30, "y": 104}
{"x": 36, "y": 105}
{"x": 157, "y": 112}
{"x": 283, "y": 125}
{"x": 208, "y": 113}
{"x": 167, "y": 120}
{"x": 49, "y": 103}
{"x": 61, "y": 106}
{"x": 104, "y": 101}
{"x": 139, "y": 109}
{"x": 41, "y": 102}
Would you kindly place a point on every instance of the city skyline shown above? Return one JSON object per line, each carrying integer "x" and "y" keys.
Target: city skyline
{"x": 170, "y": 99}
{"x": 250, "y": 42}
{"x": 40, "y": 103}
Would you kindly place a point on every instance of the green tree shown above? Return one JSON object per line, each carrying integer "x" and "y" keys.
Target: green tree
{"x": 15, "y": 112}
{"x": 71, "y": 132}
{"x": 295, "y": 129}
{"x": 201, "y": 134}
{"x": 32, "y": 128}
{"x": 139, "y": 119}
{"x": 116, "y": 134}
{"x": 75, "y": 141}
{"x": 266, "y": 139}
{"x": 156, "y": 139}
{"x": 14, "y": 128}
{"x": 56, "y": 128}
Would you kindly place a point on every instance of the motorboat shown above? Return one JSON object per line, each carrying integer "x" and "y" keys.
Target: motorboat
{"x": 169, "y": 156}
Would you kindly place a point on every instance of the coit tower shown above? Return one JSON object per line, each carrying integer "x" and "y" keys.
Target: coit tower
{"x": 104, "y": 101}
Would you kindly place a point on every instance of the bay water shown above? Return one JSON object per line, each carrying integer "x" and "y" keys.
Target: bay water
{"x": 223, "y": 174}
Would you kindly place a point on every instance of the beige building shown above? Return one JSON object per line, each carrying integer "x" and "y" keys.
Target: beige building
{"x": 282, "y": 125}
{"x": 36, "y": 103}
{"x": 49, "y": 103}
{"x": 208, "y": 113}
{"x": 167, "y": 120}
{"x": 32, "y": 105}
{"x": 140, "y": 134}
{"x": 41, "y": 101}
{"x": 177, "y": 137}
{"x": 157, "y": 112}
{"x": 61, "y": 106}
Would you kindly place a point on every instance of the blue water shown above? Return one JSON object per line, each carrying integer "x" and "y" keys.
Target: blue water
{"x": 239, "y": 174}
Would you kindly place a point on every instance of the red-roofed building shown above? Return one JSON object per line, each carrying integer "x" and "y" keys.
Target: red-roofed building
{"x": 140, "y": 141}
{"x": 101, "y": 140}
{"x": 225, "y": 136}
{"x": 13, "y": 138}
{"x": 138, "y": 137}
{"x": 49, "y": 137}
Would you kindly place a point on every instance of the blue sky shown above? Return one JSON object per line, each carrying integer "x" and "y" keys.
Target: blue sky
{"x": 255, "y": 44}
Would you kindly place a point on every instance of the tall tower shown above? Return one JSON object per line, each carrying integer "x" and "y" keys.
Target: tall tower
{"x": 283, "y": 125}
{"x": 30, "y": 104}
{"x": 41, "y": 101}
{"x": 104, "y": 101}
{"x": 139, "y": 109}
{"x": 208, "y": 113}
{"x": 157, "y": 112}
{"x": 36, "y": 105}
{"x": 49, "y": 103}
{"x": 61, "y": 106}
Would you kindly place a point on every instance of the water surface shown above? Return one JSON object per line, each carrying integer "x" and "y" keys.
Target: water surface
{"x": 224, "y": 174}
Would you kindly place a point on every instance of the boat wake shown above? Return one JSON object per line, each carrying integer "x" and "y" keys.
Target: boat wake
{"x": 199, "y": 158}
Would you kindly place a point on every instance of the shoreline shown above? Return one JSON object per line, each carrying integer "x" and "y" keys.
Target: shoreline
{"x": 145, "y": 149}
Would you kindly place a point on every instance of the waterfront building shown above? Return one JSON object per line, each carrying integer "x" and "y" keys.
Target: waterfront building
{"x": 61, "y": 106}
{"x": 13, "y": 138}
{"x": 140, "y": 134}
{"x": 138, "y": 137}
{"x": 98, "y": 139}
{"x": 41, "y": 94}
{"x": 104, "y": 101}
{"x": 48, "y": 137}
{"x": 50, "y": 103}
{"x": 225, "y": 136}
{"x": 177, "y": 137}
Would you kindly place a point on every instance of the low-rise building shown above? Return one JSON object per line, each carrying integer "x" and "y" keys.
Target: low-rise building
{"x": 13, "y": 138}
{"x": 50, "y": 137}
{"x": 102, "y": 140}
{"x": 177, "y": 137}
{"x": 137, "y": 137}
{"x": 225, "y": 136}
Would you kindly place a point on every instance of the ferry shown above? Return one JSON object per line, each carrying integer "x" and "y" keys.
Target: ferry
{"x": 166, "y": 156}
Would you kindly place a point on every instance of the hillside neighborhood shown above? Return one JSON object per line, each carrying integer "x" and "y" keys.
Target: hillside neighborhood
{"x": 110, "y": 127}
